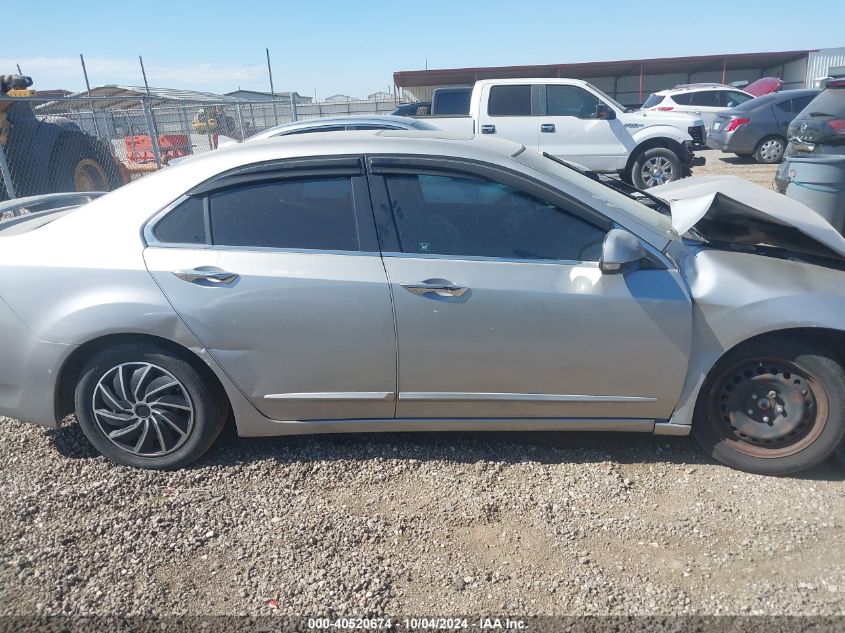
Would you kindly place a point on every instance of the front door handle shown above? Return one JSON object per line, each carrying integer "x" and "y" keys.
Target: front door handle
{"x": 488, "y": 129}
{"x": 439, "y": 287}
{"x": 548, "y": 128}
{"x": 213, "y": 276}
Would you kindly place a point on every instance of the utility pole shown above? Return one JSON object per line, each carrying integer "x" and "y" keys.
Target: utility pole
{"x": 272, "y": 90}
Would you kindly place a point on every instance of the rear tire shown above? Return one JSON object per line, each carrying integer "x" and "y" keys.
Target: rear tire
{"x": 141, "y": 406}
{"x": 655, "y": 166}
{"x": 772, "y": 407}
{"x": 770, "y": 150}
{"x": 83, "y": 163}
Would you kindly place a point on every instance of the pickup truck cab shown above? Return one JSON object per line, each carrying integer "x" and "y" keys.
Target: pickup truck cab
{"x": 574, "y": 120}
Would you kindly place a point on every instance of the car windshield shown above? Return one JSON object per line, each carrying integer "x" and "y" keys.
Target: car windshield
{"x": 608, "y": 98}
{"x": 603, "y": 193}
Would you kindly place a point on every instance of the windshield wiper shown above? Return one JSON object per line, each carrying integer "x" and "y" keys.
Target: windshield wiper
{"x": 820, "y": 114}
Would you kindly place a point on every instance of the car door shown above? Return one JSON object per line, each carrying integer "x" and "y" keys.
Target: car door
{"x": 510, "y": 113}
{"x": 502, "y": 311}
{"x": 570, "y": 128}
{"x": 704, "y": 104}
{"x": 278, "y": 274}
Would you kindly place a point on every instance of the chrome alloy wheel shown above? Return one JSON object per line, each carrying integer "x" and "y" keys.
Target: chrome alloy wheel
{"x": 772, "y": 150}
{"x": 657, "y": 171}
{"x": 143, "y": 409}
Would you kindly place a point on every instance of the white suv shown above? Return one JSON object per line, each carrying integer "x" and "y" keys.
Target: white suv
{"x": 701, "y": 100}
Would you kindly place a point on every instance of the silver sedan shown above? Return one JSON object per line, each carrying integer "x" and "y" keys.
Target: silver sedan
{"x": 404, "y": 281}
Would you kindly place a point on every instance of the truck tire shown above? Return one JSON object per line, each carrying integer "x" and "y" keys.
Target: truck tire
{"x": 83, "y": 163}
{"x": 655, "y": 166}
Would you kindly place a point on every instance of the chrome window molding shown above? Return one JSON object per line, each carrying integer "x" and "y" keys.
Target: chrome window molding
{"x": 484, "y": 258}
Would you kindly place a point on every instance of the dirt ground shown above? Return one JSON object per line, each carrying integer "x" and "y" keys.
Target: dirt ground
{"x": 722, "y": 164}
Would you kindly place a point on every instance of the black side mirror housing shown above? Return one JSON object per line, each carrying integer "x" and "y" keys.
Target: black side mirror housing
{"x": 621, "y": 252}
{"x": 604, "y": 111}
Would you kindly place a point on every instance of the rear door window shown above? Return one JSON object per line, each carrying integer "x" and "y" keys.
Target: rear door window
{"x": 311, "y": 213}
{"x": 510, "y": 101}
{"x": 705, "y": 99}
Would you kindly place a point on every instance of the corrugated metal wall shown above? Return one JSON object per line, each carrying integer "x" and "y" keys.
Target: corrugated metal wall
{"x": 800, "y": 73}
{"x": 821, "y": 62}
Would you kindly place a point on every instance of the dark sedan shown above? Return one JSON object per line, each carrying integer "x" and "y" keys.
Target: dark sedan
{"x": 758, "y": 127}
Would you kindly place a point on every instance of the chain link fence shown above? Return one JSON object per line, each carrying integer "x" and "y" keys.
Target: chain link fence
{"x": 100, "y": 143}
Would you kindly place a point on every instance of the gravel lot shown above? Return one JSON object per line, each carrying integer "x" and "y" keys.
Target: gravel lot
{"x": 417, "y": 524}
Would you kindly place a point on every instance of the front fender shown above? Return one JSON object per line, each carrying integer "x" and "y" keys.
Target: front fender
{"x": 738, "y": 296}
{"x": 660, "y": 131}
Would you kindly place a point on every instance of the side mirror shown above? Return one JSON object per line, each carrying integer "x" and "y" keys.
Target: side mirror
{"x": 620, "y": 252}
{"x": 604, "y": 111}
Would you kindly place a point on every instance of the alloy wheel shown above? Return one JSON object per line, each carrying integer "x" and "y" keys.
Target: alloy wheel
{"x": 768, "y": 407}
{"x": 657, "y": 171}
{"x": 143, "y": 409}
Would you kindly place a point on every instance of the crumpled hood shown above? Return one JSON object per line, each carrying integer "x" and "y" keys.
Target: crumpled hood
{"x": 729, "y": 209}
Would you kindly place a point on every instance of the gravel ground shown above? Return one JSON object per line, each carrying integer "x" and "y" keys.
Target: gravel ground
{"x": 719, "y": 163}
{"x": 417, "y": 524}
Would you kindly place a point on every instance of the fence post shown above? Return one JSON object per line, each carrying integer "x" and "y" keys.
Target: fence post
{"x": 294, "y": 115}
{"x": 240, "y": 120}
{"x": 7, "y": 174}
{"x": 151, "y": 128}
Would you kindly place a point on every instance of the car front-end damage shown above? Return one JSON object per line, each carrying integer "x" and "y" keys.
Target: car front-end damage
{"x": 755, "y": 264}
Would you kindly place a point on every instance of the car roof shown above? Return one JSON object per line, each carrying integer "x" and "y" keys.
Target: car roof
{"x": 534, "y": 80}
{"x": 349, "y": 119}
{"x": 680, "y": 89}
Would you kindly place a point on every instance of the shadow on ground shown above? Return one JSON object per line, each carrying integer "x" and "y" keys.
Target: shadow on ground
{"x": 462, "y": 447}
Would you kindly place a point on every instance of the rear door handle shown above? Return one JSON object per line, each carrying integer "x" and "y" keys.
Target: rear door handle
{"x": 439, "y": 287}
{"x": 211, "y": 275}
{"x": 488, "y": 129}
{"x": 548, "y": 128}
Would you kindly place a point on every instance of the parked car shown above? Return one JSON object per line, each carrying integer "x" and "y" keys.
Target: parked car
{"x": 574, "y": 120}
{"x": 283, "y": 283}
{"x": 818, "y": 130}
{"x": 417, "y": 108}
{"x": 758, "y": 127}
{"x": 701, "y": 100}
{"x": 763, "y": 86}
{"x": 450, "y": 101}
{"x": 339, "y": 123}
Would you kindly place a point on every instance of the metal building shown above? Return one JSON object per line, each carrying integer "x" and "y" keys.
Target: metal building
{"x": 631, "y": 81}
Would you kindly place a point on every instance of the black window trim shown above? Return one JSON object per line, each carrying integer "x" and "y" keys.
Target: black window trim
{"x": 274, "y": 171}
{"x": 379, "y": 166}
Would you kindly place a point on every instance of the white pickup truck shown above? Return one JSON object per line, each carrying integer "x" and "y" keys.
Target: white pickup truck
{"x": 574, "y": 120}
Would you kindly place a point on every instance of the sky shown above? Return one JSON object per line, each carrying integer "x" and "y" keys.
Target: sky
{"x": 325, "y": 47}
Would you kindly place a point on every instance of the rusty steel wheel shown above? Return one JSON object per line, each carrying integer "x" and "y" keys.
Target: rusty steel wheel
{"x": 89, "y": 175}
{"x": 768, "y": 407}
{"x": 772, "y": 406}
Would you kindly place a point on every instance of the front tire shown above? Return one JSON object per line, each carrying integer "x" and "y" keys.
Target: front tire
{"x": 772, "y": 407}
{"x": 655, "y": 166}
{"x": 83, "y": 163}
{"x": 141, "y": 406}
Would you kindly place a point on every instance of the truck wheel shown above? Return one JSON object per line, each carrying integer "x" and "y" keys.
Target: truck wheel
{"x": 655, "y": 166}
{"x": 82, "y": 163}
{"x": 773, "y": 407}
{"x": 770, "y": 150}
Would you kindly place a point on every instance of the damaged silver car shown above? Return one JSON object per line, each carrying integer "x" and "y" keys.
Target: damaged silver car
{"x": 404, "y": 281}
